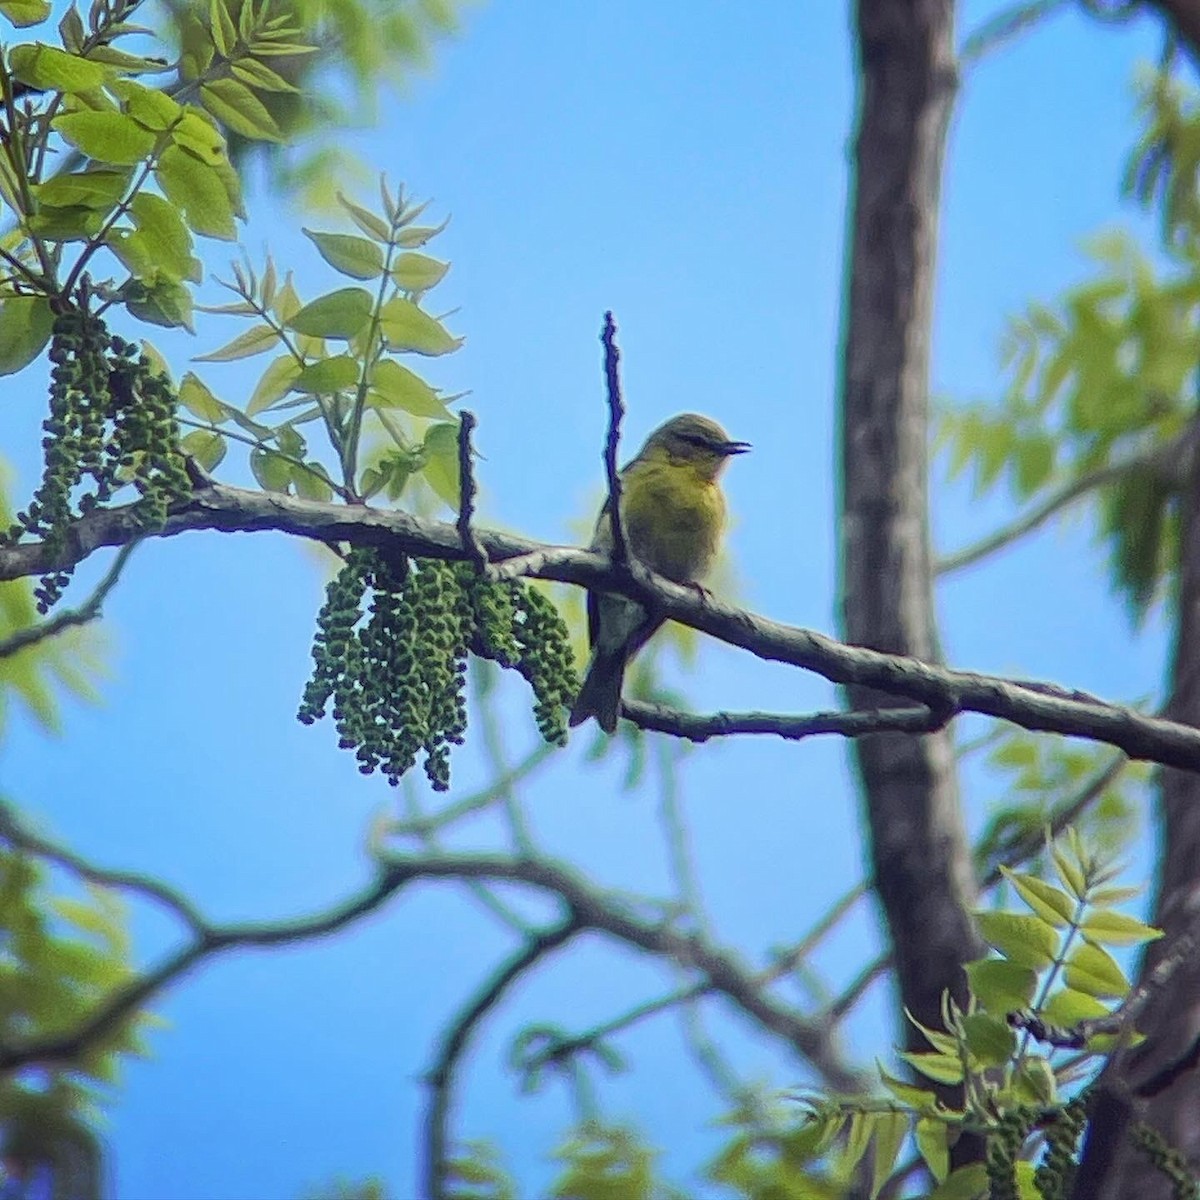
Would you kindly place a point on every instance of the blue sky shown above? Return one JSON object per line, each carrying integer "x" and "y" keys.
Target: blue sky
{"x": 685, "y": 167}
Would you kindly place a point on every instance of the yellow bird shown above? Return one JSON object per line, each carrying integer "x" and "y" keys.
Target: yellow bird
{"x": 673, "y": 514}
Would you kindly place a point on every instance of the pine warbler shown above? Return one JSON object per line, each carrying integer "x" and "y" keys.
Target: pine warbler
{"x": 673, "y": 514}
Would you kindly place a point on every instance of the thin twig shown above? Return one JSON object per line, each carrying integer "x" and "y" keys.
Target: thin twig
{"x": 1039, "y": 514}
{"x": 616, "y": 413}
{"x": 83, "y": 615}
{"x": 28, "y": 842}
{"x": 466, "y": 493}
{"x": 1003, "y": 27}
{"x": 455, "y": 1039}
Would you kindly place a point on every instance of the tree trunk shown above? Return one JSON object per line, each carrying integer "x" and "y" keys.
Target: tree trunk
{"x": 919, "y": 856}
{"x": 1171, "y": 1019}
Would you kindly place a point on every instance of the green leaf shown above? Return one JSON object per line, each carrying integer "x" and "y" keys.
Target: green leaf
{"x": 861, "y": 1127}
{"x": 406, "y": 327}
{"x": 941, "y": 1068}
{"x": 933, "y": 1146}
{"x": 239, "y": 109}
{"x": 73, "y": 224}
{"x": 890, "y": 1131}
{"x": 161, "y": 244}
{"x": 441, "y": 462}
{"x": 149, "y": 107}
{"x": 1116, "y": 929}
{"x": 1025, "y": 940}
{"x": 221, "y": 27}
{"x": 418, "y": 235}
{"x": 109, "y": 137}
{"x": 1035, "y": 1082}
{"x": 395, "y": 386}
{"x": 275, "y": 383}
{"x": 26, "y": 323}
{"x": 163, "y": 302}
{"x": 1001, "y": 986}
{"x": 260, "y": 76}
{"x": 195, "y": 134}
{"x": 272, "y": 470}
{"x": 418, "y": 272}
{"x": 97, "y": 188}
{"x": 313, "y": 483}
{"x": 1096, "y": 972}
{"x": 353, "y": 256}
{"x": 256, "y": 340}
{"x": 197, "y": 398}
{"x": 49, "y": 69}
{"x": 918, "y": 1099}
{"x": 1051, "y": 904}
{"x": 967, "y": 1183}
{"x": 200, "y": 190}
{"x": 366, "y": 220}
{"x": 24, "y": 13}
{"x": 340, "y": 314}
{"x": 1034, "y": 462}
{"x": 328, "y": 375}
{"x": 1069, "y": 872}
{"x": 1067, "y": 1007}
{"x": 206, "y": 446}
{"x": 989, "y": 1039}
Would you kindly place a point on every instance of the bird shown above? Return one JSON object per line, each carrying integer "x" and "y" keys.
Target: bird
{"x": 673, "y": 515}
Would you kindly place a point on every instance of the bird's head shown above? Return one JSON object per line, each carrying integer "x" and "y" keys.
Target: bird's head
{"x": 692, "y": 440}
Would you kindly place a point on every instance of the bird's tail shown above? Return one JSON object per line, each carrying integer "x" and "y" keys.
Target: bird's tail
{"x": 600, "y": 695}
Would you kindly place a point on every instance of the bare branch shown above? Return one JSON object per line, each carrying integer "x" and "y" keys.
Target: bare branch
{"x": 455, "y": 1039}
{"x": 697, "y": 728}
{"x": 212, "y": 941}
{"x": 1039, "y": 514}
{"x": 616, "y": 413}
{"x": 466, "y": 491}
{"x": 1004, "y": 26}
{"x": 68, "y": 618}
{"x": 20, "y": 838}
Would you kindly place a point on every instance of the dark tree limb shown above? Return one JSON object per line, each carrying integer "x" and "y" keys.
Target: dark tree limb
{"x": 455, "y": 1041}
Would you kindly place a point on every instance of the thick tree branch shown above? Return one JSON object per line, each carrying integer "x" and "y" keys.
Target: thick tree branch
{"x": 1034, "y": 706}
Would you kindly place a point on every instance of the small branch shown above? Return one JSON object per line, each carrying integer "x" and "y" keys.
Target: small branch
{"x": 441, "y": 1077}
{"x": 1040, "y": 514}
{"x": 20, "y": 838}
{"x": 83, "y": 615}
{"x": 697, "y": 728}
{"x": 616, "y": 412}
{"x": 1003, "y": 27}
{"x": 138, "y": 992}
{"x": 466, "y": 493}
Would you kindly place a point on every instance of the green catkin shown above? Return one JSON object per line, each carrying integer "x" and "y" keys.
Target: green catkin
{"x": 111, "y": 421}
{"x": 1003, "y": 1150}
{"x": 1055, "y": 1175}
{"x": 391, "y": 651}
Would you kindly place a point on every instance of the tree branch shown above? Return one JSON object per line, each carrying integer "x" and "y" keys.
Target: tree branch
{"x": 1036, "y": 707}
{"x": 87, "y": 612}
{"x": 616, "y": 413}
{"x": 441, "y": 1077}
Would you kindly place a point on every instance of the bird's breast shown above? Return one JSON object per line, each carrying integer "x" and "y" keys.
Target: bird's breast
{"x": 674, "y": 521}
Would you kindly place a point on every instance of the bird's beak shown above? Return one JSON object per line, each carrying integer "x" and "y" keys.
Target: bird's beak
{"x": 734, "y": 447}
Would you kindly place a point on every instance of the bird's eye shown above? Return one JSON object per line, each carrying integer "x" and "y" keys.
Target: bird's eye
{"x": 697, "y": 439}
